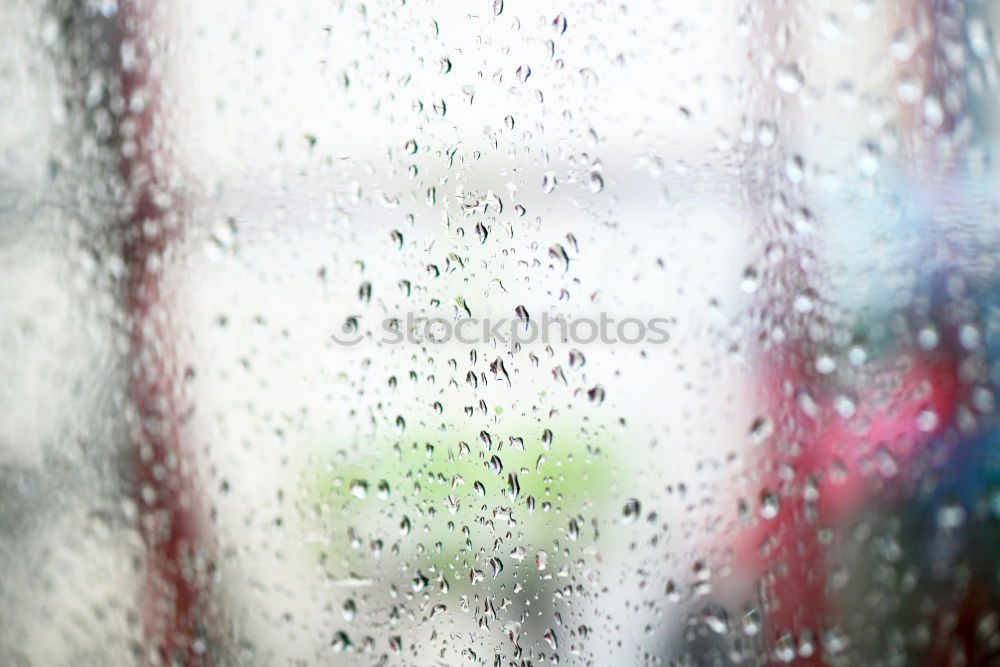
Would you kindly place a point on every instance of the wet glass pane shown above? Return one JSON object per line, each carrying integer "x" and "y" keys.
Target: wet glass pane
{"x": 499, "y": 333}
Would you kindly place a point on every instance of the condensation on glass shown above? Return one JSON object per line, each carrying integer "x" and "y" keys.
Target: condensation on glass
{"x": 499, "y": 333}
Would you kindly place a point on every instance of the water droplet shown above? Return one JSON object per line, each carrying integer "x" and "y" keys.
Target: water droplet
{"x": 513, "y": 487}
{"x": 547, "y": 439}
{"x": 573, "y": 531}
{"x": 857, "y": 355}
{"x": 349, "y": 610}
{"x": 376, "y": 548}
{"x": 767, "y": 133}
{"x": 716, "y": 618}
{"x": 868, "y": 162}
{"x": 950, "y": 515}
{"x": 596, "y": 394}
{"x": 927, "y": 421}
{"x": 559, "y": 24}
{"x": 365, "y": 292}
{"x": 904, "y": 44}
{"x": 482, "y": 232}
{"x": 558, "y": 253}
{"x": 969, "y": 336}
{"x": 596, "y": 182}
{"x": 631, "y": 511}
{"x": 751, "y": 622}
{"x": 751, "y": 280}
{"x": 589, "y": 77}
{"x": 825, "y": 364}
{"x": 795, "y": 169}
{"x": 805, "y": 301}
{"x": 789, "y": 78}
{"x": 224, "y": 232}
{"x": 769, "y": 505}
{"x": 933, "y": 111}
{"x": 496, "y": 465}
{"x": 522, "y": 314}
{"x": 672, "y": 591}
{"x": 806, "y": 644}
{"x": 341, "y": 642}
{"x": 784, "y": 648}
{"x": 909, "y": 88}
{"x": 548, "y": 182}
{"x": 928, "y": 338}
